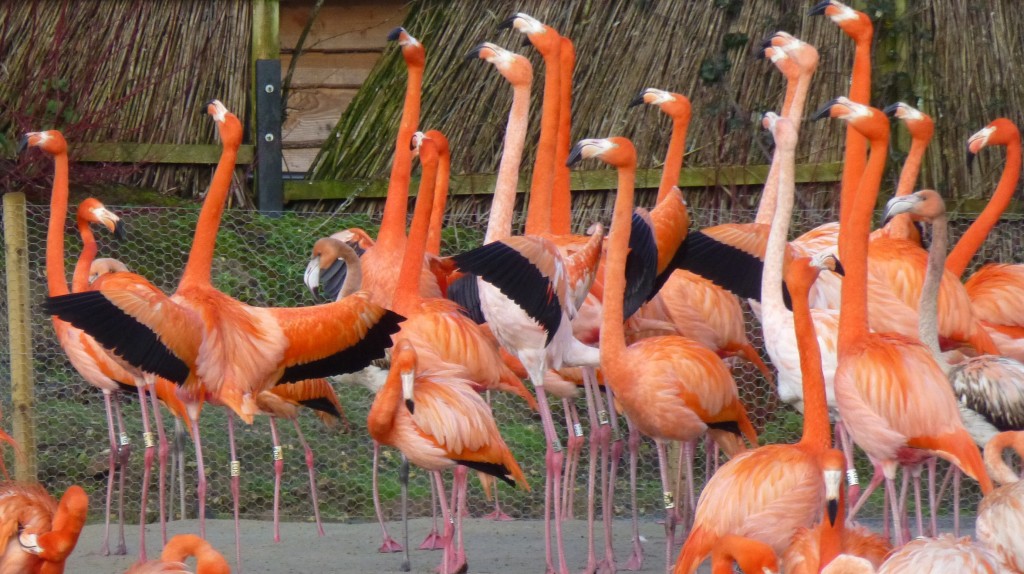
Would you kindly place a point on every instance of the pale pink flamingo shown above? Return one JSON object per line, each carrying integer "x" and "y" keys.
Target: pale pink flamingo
{"x": 1001, "y": 512}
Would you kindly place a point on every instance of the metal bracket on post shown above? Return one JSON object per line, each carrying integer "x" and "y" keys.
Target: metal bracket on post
{"x": 269, "y": 180}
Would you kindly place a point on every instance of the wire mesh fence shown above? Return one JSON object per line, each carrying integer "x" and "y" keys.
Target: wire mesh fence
{"x": 260, "y": 260}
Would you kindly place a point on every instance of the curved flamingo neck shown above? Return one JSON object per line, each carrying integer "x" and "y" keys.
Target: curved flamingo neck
{"x": 499, "y": 225}
{"x": 993, "y": 454}
{"x": 56, "y": 280}
{"x": 855, "y": 157}
{"x": 80, "y": 280}
{"x": 674, "y": 157}
{"x": 613, "y": 338}
{"x": 816, "y": 431}
{"x": 976, "y": 234}
{"x": 928, "y": 308}
{"x": 775, "y": 248}
{"x": 853, "y": 248}
{"x": 538, "y": 212}
{"x": 200, "y": 257}
{"x": 561, "y": 197}
{"x": 444, "y": 170}
{"x": 407, "y": 290}
{"x": 794, "y": 112}
{"x": 901, "y": 225}
{"x": 380, "y": 419}
{"x": 396, "y": 208}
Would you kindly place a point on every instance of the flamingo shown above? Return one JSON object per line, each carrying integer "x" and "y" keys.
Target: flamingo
{"x": 670, "y": 387}
{"x": 438, "y": 421}
{"x": 37, "y": 534}
{"x": 1001, "y": 512}
{"x": 561, "y": 196}
{"x": 182, "y": 546}
{"x": 750, "y": 555}
{"x": 767, "y": 493}
{"x": 874, "y": 368}
{"x": 444, "y": 168}
{"x": 814, "y": 548}
{"x": 215, "y": 346}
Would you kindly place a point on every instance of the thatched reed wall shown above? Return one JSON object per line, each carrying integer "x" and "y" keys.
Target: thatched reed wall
{"x": 113, "y": 71}
{"x": 960, "y": 62}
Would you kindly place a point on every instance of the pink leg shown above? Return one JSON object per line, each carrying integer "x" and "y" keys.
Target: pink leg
{"x": 403, "y": 480}
{"x": 689, "y": 454}
{"x": 149, "y": 443}
{"x": 236, "y": 471}
{"x": 458, "y": 546}
{"x": 388, "y": 544}
{"x": 277, "y": 455}
{"x": 112, "y": 459}
{"x": 553, "y": 459}
{"x": 894, "y": 504}
{"x": 956, "y": 501}
{"x": 200, "y": 478}
{"x": 903, "y": 510}
{"x": 916, "y": 475}
{"x": 312, "y": 477}
{"x": 449, "y": 523}
{"x": 670, "y": 515}
{"x": 124, "y": 453}
{"x": 610, "y": 454}
{"x": 852, "y": 481}
{"x": 573, "y": 445}
{"x": 593, "y": 456}
{"x": 162, "y": 450}
{"x": 433, "y": 541}
{"x": 876, "y": 479}
{"x": 636, "y": 558}
{"x": 932, "y": 462}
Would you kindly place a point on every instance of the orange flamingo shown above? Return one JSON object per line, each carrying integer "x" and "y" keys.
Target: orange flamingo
{"x": 670, "y": 387}
{"x": 37, "y": 534}
{"x": 750, "y": 555}
{"x": 179, "y": 548}
{"x": 438, "y": 421}
{"x": 874, "y": 369}
{"x": 814, "y": 548}
{"x": 444, "y": 168}
{"x": 215, "y": 346}
{"x": 1001, "y": 512}
{"x": 767, "y": 493}
{"x": 561, "y": 196}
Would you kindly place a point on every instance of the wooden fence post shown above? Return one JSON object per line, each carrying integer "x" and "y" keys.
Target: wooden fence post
{"x": 20, "y": 332}
{"x": 266, "y": 52}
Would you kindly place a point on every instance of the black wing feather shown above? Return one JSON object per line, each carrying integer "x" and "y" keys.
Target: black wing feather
{"x": 496, "y": 470}
{"x": 349, "y": 360}
{"x": 466, "y": 292}
{"x": 641, "y": 266}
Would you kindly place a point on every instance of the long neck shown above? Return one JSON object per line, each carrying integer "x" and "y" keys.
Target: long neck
{"x": 911, "y": 167}
{"x": 200, "y": 258}
{"x": 56, "y": 280}
{"x": 975, "y": 235}
{"x": 499, "y": 225}
{"x": 538, "y": 213}
{"x": 613, "y": 338}
{"x": 412, "y": 263}
{"x": 993, "y": 454}
{"x": 770, "y": 194}
{"x": 444, "y": 169}
{"x": 561, "y": 198}
{"x": 80, "y": 280}
{"x": 855, "y": 157}
{"x": 207, "y": 559}
{"x": 775, "y": 249}
{"x": 853, "y": 249}
{"x": 803, "y": 86}
{"x": 353, "y": 274}
{"x": 674, "y": 157}
{"x": 816, "y": 428}
{"x": 392, "y": 225}
{"x": 382, "y": 412}
{"x": 928, "y": 308}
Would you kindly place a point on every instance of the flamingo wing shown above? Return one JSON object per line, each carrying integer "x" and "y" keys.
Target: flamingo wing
{"x": 466, "y": 292}
{"x": 137, "y": 321}
{"x": 641, "y": 264}
{"x": 728, "y": 255}
{"x": 993, "y": 387}
{"x": 315, "y": 394}
{"x": 334, "y": 338}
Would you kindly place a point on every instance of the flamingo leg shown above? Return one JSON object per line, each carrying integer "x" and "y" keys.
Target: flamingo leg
{"x": 689, "y": 454}
{"x": 162, "y": 450}
{"x": 123, "y": 453}
{"x": 636, "y": 558}
{"x": 447, "y": 519}
{"x": 573, "y": 445}
{"x": 200, "y": 472}
{"x": 595, "y": 448}
{"x": 876, "y": 479}
{"x": 179, "y": 451}
{"x": 852, "y": 482}
{"x": 459, "y": 489}
{"x": 904, "y": 521}
{"x": 916, "y": 475}
{"x": 147, "y": 468}
{"x": 894, "y": 503}
{"x": 553, "y": 458}
{"x": 433, "y": 540}
{"x": 932, "y": 463}
{"x": 670, "y": 515}
{"x": 403, "y": 480}
{"x": 112, "y": 459}
{"x": 388, "y": 544}
{"x": 277, "y": 455}
{"x": 956, "y": 501}
{"x": 312, "y": 477}
{"x": 610, "y": 453}
{"x": 236, "y": 475}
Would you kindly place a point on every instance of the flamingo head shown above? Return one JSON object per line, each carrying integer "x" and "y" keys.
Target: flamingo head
{"x": 103, "y": 266}
{"x": 56, "y": 545}
{"x": 1000, "y": 131}
{"x": 676, "y": 106}
{"x": 413, "y": 52}
{"x": 424, "y": 147}
{"x": 50, "y": 141}
{"x": 854, "y": 23}
{"x": 514, "y": 67}
{"x": 833, "y": 466}
{"x": 93, "y": 211}
{"x": 615, "y": 151}
{"x": 782, "y": 130}
{"x": 777, "y": 56}
{"x": 920, "y": 124}
{"x": 329, "y": 265}
{"x": 228, "y": 125}
{"x": 827, "y": 261}
{"x": 870, "y": 122}
{"x": 543, "y": 37}
{"x": 924, "y": 205}
{"x": 403, "y": 362}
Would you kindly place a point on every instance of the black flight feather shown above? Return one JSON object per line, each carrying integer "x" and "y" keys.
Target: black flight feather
{"x": 496, "y": 470}
{"x": 358, "y": 356}
{"x": 641, "y": 266}
{"x": 466, "y": 292}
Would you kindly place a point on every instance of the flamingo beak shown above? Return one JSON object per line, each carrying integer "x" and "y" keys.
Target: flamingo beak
{"x": 506, "y": 24}
{"x": 119, "y": 231}
{"x": 891, "y": 110}
{"x": 833, "y": 482}
{"x": 824, "y": 110}
{"x": 394, "y": 34}
{"x": 575, "y": 154}
{"x": 838, "y": 269}
{"x": 474, "y": 54}
{"x": 312, "y": 276}
{"x": 898, "y": 205}
{"x": 22, "y": 144}
{"x": 639, "y": 99}
{"x": 408, "y": 378}
{"x": 819, "y": 8}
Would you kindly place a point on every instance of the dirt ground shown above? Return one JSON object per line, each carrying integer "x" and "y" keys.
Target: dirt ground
{"x": 505, "y": 547}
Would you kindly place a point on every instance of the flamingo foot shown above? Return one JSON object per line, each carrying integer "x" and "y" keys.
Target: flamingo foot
{"x": 433, "y": 541}
{"x": 498, "y": 516}
{"x": 636, "y": 558}
{"x": 121, "y": 549}
{"x": 606, "y": 567}
{"x": 389, "y": 545}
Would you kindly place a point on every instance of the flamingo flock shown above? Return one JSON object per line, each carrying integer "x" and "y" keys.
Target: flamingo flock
{"x": 869, "y": 333}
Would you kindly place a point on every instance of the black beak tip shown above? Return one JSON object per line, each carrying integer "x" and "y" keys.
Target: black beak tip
{"x": 637, "y": 100}
{"x": 970, "y": 160}
{"x": 526, "y": 42}
{"x": 206, "y": 107}
{"x": 507, "y": 23}
{"x": 473, "y": 54}
{"x": 767, "y": 42}
{"x": 839, "y": 270}
{"x": 22, "y": 144}
{"x": 819, "y": 8}
{"x": 891, "y": 110}
{"x": 575, "y": 155}
{"x": 833, "y": 511}
{"x": 823, "y": 110}
{"x": 409, "y": 404}
{"x": 394, "y": 34}
{"x": 120, "y": 232}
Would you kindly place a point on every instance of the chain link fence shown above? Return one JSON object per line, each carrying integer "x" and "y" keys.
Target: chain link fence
{"x": 260, "y": 260}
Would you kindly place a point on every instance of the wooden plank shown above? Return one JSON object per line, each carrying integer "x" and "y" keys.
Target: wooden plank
{"x": 265, "y": 26}
{"x": 312, "y": 114}
{"x": 317, "y": 70}
{"x": 129, "y": 152}
{"x": 298, "y": 160}
{"x": 596, "y": 180}
{"x": 19, "y": 328}
{"x": 357, "y": 25}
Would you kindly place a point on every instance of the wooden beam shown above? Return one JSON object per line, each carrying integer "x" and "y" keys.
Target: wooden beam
{"x": 596, "y": 180}
{"x": 266, "y": 23}
{"x": 129, "y": 152}
{"x": 19, "y": 325}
